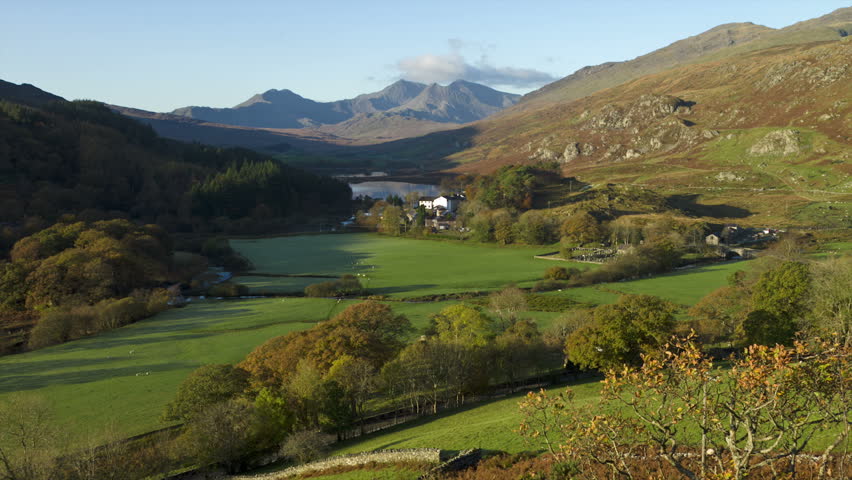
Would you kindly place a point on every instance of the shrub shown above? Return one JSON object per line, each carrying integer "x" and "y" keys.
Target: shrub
{"x": 548, "y": 285}
{"x": 114, "y": 313}
{"x": 305, "y": 446}
{"x": 347, "y": 285}
{"x": 52, "y": 328}
{"x": 556, "y": 273}
{"x": 228, "y": 289}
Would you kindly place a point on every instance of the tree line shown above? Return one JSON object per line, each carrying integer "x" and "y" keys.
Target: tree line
{"x": 82, "y": 158}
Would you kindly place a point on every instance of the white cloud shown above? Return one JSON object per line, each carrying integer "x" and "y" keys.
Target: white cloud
{"x": 447, "y": 68}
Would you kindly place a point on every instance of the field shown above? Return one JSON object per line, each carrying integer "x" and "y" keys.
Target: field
{"x": 397, "y": 267}
{"x": 489, "y": 426}
{"x": 97, "y": 381}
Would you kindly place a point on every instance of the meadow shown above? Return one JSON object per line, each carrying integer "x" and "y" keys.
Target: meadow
{"x": 397, "y": 267}
{"x": 490, "y": 426}
{"x": 126, "y": 376}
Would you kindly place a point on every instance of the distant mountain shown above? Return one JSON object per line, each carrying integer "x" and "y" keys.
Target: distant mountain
{"x": 459, "y": 102}
{"x": 26, "y": 94}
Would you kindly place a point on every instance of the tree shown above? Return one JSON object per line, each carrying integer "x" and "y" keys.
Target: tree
{"x": 634, "y": 325}
{"x": 368, "y": 330}
{"x": 782, "y": 291}
{"x": 719, "y": 313}
{"x": 504, "y": 227}
{"x": 305, "y": 390}
{"x": 28, "y": 439}
{"x": 507, "y": 304}
{"x": 305, "y": 446}
{"x": 581, "y": 228}
{"x": 757, "y": 416}
{"x": 205, "y": 386}
{"x": 519, "y": 351}
{"x": 357, "y": 377}
{"x": 464, "y": 325}
{"x": 829, "y": 304}
{"x": 223, "y": 433}
{"x": 391, "y": 221}
{"x": 536, "y": 228}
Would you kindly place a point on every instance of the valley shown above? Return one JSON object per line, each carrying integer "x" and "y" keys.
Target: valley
{"x": 486, "y": 267}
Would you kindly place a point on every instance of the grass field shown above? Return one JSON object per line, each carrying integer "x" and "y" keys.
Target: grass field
{"x": 398, "y": 267}
{"x": 683, "y": 287}
{"x": 96, "y": 381}
{"x": 489, "y": 426}
{"x": 93, "y": 382}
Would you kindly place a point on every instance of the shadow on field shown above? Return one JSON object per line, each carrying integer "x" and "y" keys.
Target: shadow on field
{"x": 405, "y": 288}
{"x": 689, "y": 204}
{"x": 13, "y": 383}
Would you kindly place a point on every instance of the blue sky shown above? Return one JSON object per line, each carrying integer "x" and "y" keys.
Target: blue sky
{"x": 160, "y": 55}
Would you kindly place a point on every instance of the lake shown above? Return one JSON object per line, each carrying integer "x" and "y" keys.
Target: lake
{"x": 385, "y": 189}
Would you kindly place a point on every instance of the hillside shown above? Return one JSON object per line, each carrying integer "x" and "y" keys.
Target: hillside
{"x": 775, "y": 121}
{"x": 83, "y": 159}
{"x": 459, "y": 102}
{"x": 719, "y": 42}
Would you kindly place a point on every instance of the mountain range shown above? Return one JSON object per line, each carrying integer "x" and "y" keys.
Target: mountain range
{"x": 458, "y": 102}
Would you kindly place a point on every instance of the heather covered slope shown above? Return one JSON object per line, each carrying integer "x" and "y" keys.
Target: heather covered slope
{"x": 719, "y": 42}
{"x": 775, "y": 121}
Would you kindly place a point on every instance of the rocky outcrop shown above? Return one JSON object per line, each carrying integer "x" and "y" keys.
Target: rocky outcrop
{"x": 780, "y": 142}
{"x": 641, "y": 112}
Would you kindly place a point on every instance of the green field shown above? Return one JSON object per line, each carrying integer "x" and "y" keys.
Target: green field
{"x": 93, "y": 382}
{"x": 489, "y": 426}
{"x": 398, "y": 267}
{"x": 683, "y": 287}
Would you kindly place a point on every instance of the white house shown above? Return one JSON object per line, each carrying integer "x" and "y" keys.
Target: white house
{"x": 428, "y": 202}
{"x": 450, "y": 202}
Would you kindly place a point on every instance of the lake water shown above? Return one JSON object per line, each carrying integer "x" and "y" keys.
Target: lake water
{"x": 385, "y": 189}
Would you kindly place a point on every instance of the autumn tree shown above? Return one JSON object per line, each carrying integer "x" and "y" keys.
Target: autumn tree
{"x": 205, "y": 386}
{"x": 581, "y": 228}
{"x": 622, "y": 331}
{"x": 357, "y": 378}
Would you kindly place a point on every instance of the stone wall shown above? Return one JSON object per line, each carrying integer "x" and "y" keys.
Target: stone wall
{"x": 464, "y": 460}
{"x": 410, "y": 455}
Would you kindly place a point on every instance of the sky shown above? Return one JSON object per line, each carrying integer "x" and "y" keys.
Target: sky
{"x": 161, "y": 55}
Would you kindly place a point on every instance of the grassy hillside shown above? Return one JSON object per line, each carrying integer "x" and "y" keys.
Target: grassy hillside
{"x": 489, "y": 426}
{"x": 760, "y": 138}
{"x": 717, "y": 43}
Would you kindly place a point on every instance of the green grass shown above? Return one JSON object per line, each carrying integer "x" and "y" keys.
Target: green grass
{"x": 398, "y": 267}
{"x": 93, "y": 382}
{"x": 683, "y": 287}
{"x": 489, "y": 426}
